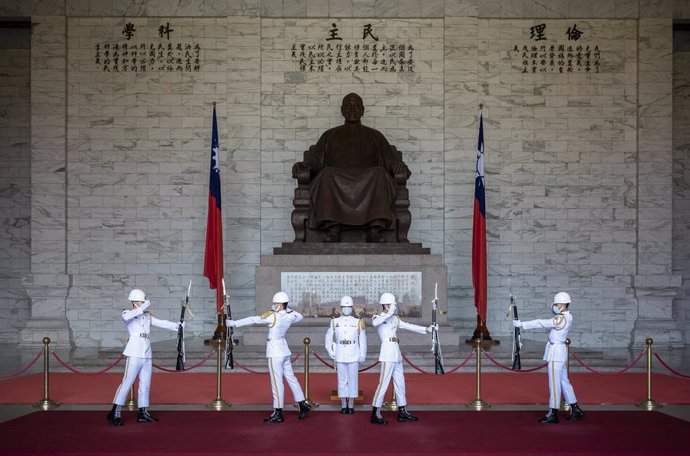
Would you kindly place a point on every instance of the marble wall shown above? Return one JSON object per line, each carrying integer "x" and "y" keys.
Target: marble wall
{"x": 577, "y": 162}
{"x": 681, "y": 182}
{"x": 15, "y": 182}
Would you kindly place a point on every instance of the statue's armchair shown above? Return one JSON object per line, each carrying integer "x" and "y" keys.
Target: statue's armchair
{"x": 397, "y": 232}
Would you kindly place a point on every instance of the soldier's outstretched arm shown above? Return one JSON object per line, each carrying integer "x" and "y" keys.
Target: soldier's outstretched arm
{"x": 557, "y": 322}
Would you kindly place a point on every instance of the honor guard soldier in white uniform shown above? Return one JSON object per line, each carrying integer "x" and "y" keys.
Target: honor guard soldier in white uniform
{"x": 387, "y": 325}
{"x": 556, "y": 355}
{"x": 138, "y": 353}
{"x": 278, "y": 320}
{"x": 346, "y": 343}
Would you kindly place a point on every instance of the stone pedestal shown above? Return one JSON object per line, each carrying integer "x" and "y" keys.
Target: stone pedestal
{"x": 655, "y": 314}
{"x": 268, "y": 281}
{"x": 48, "y": 317}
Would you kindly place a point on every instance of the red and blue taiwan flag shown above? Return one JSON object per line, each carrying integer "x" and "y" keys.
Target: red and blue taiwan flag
{"x": 479, "y": 268}
{"x": 213, "y": 258}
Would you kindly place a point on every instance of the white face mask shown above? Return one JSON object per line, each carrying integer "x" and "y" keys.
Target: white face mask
{"x": 346, "y": 311}
{"x": 555, "y": 309}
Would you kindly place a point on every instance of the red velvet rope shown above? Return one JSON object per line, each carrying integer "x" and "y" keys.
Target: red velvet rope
{"x": 316, "y": 355}
{"x": 24, "y": 369}
{"x": 434, "y": 373}
{"x": 251, "y": 371}
{"x": 66, "y": 366}
{"x": 238, "y": 364}
{"x": 330, "y": 366}
{"x": 490, "y": 358}
{"x": 175, "y": 371}
{"x": 670, "y": 368}
{"x": 625, "y": 369}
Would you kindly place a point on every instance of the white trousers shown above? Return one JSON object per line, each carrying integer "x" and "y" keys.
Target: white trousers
{"x": 277, "y": 369}
{"x": 389, "y": 370}
{"x": 558, "y": 381}
{"x": 348, "y": 379}
{"x": 135, "y": 367}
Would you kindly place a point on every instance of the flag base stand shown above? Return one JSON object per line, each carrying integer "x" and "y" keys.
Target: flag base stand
{"x": 220, "y": 333}
{"x": 481, "y": 332}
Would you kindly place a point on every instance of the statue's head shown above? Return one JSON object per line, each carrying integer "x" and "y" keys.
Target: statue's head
{"x": 352, "y": 108}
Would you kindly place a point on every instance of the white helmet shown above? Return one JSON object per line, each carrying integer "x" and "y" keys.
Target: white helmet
{"x": 346, "y": 301}
{"x": 561, "y": 298}
{"x": 281, "y": 297}
{"x": 137, "y": 295}
{"x": 387, "y": 298}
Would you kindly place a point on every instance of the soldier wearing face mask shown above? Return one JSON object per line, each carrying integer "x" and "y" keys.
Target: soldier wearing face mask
{"x": 279, "y": 319}
{"x": 387, "y": 324}
{"x": 346, "y": 343}
{"x": 556, "y": 355}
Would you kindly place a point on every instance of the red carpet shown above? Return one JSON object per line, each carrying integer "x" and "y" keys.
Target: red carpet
{"x": 437, "y": 433}
{"x": 239, "y": 388}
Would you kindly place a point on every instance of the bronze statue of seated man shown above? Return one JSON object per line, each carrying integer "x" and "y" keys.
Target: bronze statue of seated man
{"x": 355, "y": 173}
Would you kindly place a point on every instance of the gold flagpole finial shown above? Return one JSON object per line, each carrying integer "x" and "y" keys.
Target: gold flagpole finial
{"x": 214, "y": 103}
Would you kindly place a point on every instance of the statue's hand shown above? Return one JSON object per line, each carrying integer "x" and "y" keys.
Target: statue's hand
{"x": 400, "y": 171}
{"x": 300, "y": 171}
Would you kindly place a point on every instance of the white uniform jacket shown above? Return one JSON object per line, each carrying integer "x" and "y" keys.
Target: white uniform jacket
{"x": 278, "y": 324}
{"x": 346, "y": 339}
{"x": 139, "y": 325}
{"x": 559, "y": 326}
{"x": 387, "y": 326}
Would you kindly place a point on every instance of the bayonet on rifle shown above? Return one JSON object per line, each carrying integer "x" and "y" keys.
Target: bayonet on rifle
{"x": 180, "y": 332}
{"x": 230, "y": 334}
{"x": 517, "y": 341}
{"x": 435, "y": 344}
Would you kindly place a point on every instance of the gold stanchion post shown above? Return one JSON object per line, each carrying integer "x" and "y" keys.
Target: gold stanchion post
{"x": 131, "y": 403}
{"x": 478, "y": 403}
{"x": 218, "y": 403}
{"x": 310, "y": 403}
{"x": 564, "y": 404}
{"x": 649, "y": 403}
{"x": 46, "y": 403}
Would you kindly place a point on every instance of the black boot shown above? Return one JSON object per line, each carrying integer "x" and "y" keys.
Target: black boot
{"x": 276, "y": 416}
{"x": 303, "y": 410}
{"x": 350, "y": 410}
{"x": 144, "y": 417}
{"x": 551, "y": 417}
{"x": 375, "y": 418}
{"x": 404, "y": 415}
{"x": 575, "y": 412}
{"x": 115, "y": 419}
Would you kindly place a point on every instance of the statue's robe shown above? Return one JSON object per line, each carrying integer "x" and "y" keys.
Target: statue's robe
{"x": 353, "y": 184}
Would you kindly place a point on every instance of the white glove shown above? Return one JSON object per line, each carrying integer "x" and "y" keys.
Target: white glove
{"x": 392, "y": 308}
{"x": 517, "y": 323}
{"x": 182, "y": 324}
{"x": 332, "y": 355}
{"x": 145, "y": 305}
{"x": 230, "y": 323}
{"x": 361, "y": 360}
{"x": 429, "y": 328}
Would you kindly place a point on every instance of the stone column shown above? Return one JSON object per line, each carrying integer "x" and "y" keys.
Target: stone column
{"x": 655, "y": 285}
{"x": 48, "y": 283}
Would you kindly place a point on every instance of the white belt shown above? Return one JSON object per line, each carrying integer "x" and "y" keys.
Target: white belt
{"x": 346, "y": 342}
{"x": 144, "y": 335}
{"x": 393, "y": 339}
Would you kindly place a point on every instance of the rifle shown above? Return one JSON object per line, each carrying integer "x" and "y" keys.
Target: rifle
{"x": 435, "y": 345}
{"x": 180, "y": 332}
{"x": 230, "y": 333}
{"x": 517, "y": 341}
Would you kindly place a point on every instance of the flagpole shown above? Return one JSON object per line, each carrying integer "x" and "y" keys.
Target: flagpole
{"x": 479, "y": 253}
{"x": 213, "y": 257}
